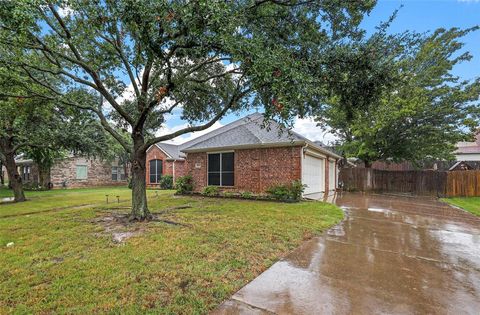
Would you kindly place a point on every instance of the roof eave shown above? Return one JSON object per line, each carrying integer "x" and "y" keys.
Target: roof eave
{"x": 247, "y": 146}
{"x": 322, "y": 150}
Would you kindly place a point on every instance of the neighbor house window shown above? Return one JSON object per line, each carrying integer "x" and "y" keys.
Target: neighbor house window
{"x": 115, "y": 173}
{"x": 220, "y": 169}
{"x": 118, "y": 173}
{"x": 81, "y": 172}
{"x": 26, "y": 173}
{"x": 156, "y": 170}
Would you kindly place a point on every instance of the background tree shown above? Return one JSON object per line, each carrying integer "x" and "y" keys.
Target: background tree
{"x": 2, "y": 176}
{"x": 201, "y": 58}
{"x": 43, "y": 130}
{"x": 395, "y": 98}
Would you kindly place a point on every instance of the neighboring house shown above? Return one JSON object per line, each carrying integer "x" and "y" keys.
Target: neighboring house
{"x": 467, "y": 157}
{"x": 243, "y": 156}
{"x": 468, "y": 151}
{"x": 74, "y": 171}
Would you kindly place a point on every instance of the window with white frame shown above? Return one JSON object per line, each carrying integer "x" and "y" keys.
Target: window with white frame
{"x": 82, "y": 172}
{"x": 221, "y": 169}
{"x": 115, "y": 173}
{"x": 26, "y": 173}
{"x": 118, "y": 173}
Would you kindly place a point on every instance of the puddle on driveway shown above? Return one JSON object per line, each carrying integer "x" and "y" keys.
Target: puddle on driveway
{"x": 395, "y": 255}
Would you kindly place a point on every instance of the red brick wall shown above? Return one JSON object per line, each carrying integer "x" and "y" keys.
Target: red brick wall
{"x": 255, "y": 169}
{"x": 179, "y": 169}
{"x": 154, "y": 153}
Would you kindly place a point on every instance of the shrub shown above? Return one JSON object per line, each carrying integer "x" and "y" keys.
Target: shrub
{"x": 246, "y": 195}
{"x": 184, "y": 184}
{"x": 228, "y": 194}
{"x": 287, "y": 192}
{"x": 210, "y": 191}
{"x": 166, "y": 182}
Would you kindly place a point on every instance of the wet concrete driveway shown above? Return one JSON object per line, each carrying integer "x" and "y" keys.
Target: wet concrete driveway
{"x": 391, "y": 255}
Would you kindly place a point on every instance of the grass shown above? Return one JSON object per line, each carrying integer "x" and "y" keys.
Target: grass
{"x": 470, "y": 204}
{"x": 64, "y": 261}
{"x": 57, "y": 199}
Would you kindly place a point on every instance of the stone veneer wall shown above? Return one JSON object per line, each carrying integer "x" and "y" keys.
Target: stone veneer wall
{"x": 99, "y": 173}
{"x": 255, "y": 169}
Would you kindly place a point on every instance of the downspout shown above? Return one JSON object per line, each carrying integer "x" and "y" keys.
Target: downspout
{"x": 173, "y": 171}
{"x": 304, "y": 148}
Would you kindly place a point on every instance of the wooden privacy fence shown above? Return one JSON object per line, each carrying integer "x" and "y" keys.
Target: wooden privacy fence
{"x": 432, "y": 183}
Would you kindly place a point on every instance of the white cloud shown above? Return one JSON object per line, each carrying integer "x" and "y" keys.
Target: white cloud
{"x": 64, "y": 10}
{"x": 186, "y": 137}
{"x": 307, "y": 127}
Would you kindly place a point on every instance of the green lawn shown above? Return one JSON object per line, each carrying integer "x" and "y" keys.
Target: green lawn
{"x": 65, "y": 261}
{"x": 471, "y": 204}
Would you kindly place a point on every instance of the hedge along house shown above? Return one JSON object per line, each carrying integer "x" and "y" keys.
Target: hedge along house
{"x": 243, "y": 156}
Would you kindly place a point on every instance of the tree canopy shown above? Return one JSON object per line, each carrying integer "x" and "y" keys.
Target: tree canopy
{"x": 148, "y": 58}
{"x": 42, "y": 129}
{"x": 395, "y": 98}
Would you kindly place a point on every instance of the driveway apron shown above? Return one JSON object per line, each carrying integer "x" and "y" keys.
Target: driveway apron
{"x": 391, "y": 255}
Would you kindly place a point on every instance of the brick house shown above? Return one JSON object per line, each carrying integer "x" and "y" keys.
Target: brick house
{"x": 75, "y": 172}
{"x": 164, "y": 159}
{"x": 243, "y": 156}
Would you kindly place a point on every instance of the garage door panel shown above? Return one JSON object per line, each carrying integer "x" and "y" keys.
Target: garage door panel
{"x": 331, "y": 176}
{"x": 313, "y": 174}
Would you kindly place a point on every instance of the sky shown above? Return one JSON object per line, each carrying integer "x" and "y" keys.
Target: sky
{"x": 417, "y": 15}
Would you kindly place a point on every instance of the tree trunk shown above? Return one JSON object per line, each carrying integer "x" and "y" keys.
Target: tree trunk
{"x": 140, "y": 210}
{"x": 2, "y": 177}
{"x": 15, "y": 180}
{"x": 44, "y": 177}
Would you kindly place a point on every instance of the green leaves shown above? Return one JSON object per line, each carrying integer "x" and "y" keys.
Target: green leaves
{"x": 209, "y": 57}
{"x": 398, "y": 100}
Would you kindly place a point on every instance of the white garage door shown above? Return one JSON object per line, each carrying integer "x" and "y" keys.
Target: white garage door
{"x": 313, "y": 174}
{"x": 331, "y": 176}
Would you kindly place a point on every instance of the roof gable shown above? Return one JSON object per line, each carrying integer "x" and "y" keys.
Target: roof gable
{"x": 244, "y": 132}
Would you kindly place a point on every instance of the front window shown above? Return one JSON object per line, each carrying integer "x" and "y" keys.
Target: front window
{"x": 156, "y": 170}
{"x": 81, "y": 172}
{"x": 220, "y": 169}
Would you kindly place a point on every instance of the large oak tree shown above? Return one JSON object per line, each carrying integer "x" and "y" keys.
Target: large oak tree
{"x": 147, "y": 59}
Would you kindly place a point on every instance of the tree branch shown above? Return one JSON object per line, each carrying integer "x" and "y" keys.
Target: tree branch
{"x": 180, "y": 132}
{"x": 95, "y": 76}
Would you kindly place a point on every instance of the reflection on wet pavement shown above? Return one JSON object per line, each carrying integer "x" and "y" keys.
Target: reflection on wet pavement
{"x": 391, "y": 254}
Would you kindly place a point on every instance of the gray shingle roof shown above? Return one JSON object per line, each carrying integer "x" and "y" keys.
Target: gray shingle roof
{"x": 172, "y": 150}
{"x": 247, "y": 131}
